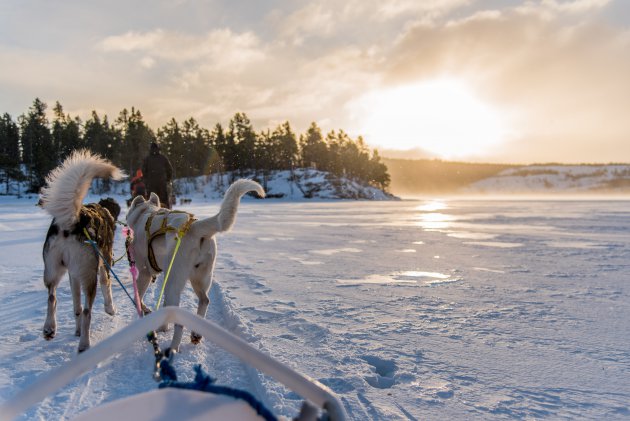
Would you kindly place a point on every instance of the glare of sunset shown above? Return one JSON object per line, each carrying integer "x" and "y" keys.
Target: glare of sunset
{"x": 442, "y": 117}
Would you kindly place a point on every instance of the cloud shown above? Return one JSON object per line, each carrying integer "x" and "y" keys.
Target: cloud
{"x": 283, "y": 87}
{"x": 566, "y": 83}
{"x": 550, "y": 8}
{"x": 360, "y": 20}
{"x": 221, "y": 47}
{"x": 431, "y": 8}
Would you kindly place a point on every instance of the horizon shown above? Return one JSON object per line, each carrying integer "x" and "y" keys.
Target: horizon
{"x": 384, "y": 155}
{"x": 522, "y": 82}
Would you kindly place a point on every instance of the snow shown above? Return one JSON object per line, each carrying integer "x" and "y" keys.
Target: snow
{"x": 302, "y": 184}
{"x": 504, "y": 309}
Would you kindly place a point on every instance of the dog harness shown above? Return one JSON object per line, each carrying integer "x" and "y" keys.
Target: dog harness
{"x": 163, "y": 229}
{"x": 97, "y": 222}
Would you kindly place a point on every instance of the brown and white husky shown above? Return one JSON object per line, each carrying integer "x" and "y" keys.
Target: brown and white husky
{"x": 66, "y": 249}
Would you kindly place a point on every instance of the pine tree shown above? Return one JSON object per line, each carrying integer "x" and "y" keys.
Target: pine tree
{"x": 265, "y": 152}
{"x": 243, "y": 138}
{"x": 66, "y": 133}
{"x": 218, "y": 142}
{"x": 199, "y": 148}
{"x": 39, "y": 154}
{"x": 136, "y": 138}
{"x": 172, "y": 143}
{"x": 378, "y": 171}
{"x": 287, "y": 146}
{"x": 9, "y": 150}
{"x": 334, "y": 163}
{"x": 314, "y": 152}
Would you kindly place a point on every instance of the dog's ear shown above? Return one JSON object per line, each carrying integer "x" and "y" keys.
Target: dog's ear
{"x": 111, "y": 205}
{"x": 154, "y": 199}
{"x": 136, "y": 201}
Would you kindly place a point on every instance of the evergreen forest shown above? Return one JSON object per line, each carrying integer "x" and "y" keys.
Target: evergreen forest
{"x": 32, "y": 145}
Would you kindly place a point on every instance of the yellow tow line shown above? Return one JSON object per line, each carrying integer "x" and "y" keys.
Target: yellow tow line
{"x": 168, "y": 270}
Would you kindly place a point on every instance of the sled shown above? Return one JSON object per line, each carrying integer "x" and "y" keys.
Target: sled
{"x": 173, "y": 403}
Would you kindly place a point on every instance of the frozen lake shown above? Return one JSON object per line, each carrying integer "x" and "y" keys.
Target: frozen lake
{"x": 409, "y": 310}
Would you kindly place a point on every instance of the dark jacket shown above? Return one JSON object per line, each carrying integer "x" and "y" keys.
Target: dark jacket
{"x": 158, "y": 172}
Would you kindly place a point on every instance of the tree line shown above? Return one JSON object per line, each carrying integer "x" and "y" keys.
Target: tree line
{"x": 31, "y": 146}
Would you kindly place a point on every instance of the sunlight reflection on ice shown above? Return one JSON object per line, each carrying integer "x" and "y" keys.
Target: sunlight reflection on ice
{"x": 432, "y": 206}
{"x": 574, "y": 245}
{"x": 472, "y": 235}
{"x": 330, "y": 252}
{"x": 275, "y": 238}
{"x": 493, "y": 244}
{"x": 441, "y": 281}
{"x": 420, "y": 274}
{"x": 435, "y": 221}
{"x": 489, "y": 270}
{"x": 403, "y": 277}
{"x": 377, "y": 279}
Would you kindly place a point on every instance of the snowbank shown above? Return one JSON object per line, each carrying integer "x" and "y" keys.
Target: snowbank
{"x": 301, "y": 184}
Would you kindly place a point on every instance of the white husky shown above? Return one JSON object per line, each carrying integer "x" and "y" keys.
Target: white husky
{"x": 65, "y": 248}
{"x": 155, "y": 238}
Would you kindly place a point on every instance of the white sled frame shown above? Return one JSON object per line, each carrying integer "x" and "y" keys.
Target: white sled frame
{"x": 48, "y": 384}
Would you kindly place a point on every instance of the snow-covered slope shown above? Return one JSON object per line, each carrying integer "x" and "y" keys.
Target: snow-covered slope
{"x": 302, "y": 184}
{"x": 557, "y": 179}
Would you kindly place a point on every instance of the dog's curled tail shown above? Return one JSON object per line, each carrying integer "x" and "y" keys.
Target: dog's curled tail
{"x": 224, "y": 220}
{"x": 68, "y": 184}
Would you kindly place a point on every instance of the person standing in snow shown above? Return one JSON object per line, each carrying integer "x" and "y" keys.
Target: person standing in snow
{"x": 158, "y": 173}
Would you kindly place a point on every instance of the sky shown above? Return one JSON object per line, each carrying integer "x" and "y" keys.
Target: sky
{"x": 486, "y": 81}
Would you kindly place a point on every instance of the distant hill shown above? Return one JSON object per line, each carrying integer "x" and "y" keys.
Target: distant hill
{"x": 434, "y": 176}
{"x": 599, "y": 179}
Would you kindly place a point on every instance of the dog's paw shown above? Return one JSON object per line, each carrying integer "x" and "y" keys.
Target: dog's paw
{"x": 49, "y": 333}
{"x": 111, "y": 310}
{"x": 145, "y": 310}
{"x": 195, "y": 338}
{"x": 82, "y": 348}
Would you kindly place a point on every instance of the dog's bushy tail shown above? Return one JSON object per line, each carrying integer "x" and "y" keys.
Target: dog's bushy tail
{"x": 224, "y": 220}
{"x": 68, "y": 184}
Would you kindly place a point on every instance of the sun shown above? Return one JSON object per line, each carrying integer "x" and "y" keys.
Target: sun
{"x": 442, "y": 117}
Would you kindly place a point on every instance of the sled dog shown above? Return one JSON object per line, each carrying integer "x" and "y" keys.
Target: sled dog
{"x": 156, "y": 231}
{"x": 66, "y": 249}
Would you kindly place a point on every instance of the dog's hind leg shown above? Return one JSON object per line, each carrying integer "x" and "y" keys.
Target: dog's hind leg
{"x": 75, "y": 287}
{"x": 144, "y": 279}
{"x": 86, "y": 316}
{"x": 172, "y": 296}
{"x": 52, "y": 275}
{"x": 106, "y": 288}
{"x": 201, "y": 285}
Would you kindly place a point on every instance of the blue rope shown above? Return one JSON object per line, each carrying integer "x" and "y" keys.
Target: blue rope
{"x": 203, "y": 382}
{"x": 98, "y": 252}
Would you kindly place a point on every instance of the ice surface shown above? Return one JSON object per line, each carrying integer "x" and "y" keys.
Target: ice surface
{"x": 456, "y": 330}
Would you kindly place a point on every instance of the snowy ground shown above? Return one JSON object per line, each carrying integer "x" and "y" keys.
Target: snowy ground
{"x": 409, "y": 310}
